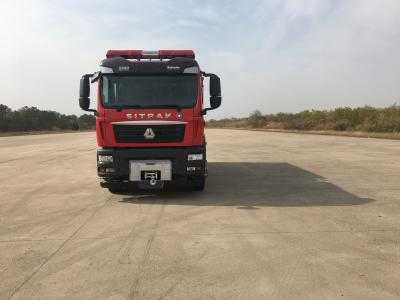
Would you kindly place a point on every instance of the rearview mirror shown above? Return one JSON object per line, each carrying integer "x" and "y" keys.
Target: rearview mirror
{"x": 215, "y": 102}
{"x": 84, "y": 88}
{"x": 215, "y": 86}
{"x": 84, "y": 103}
{"x": 84, "y": 93}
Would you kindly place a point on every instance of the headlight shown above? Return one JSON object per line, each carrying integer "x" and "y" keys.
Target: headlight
{"x": 105, "y": 159}
{"x": 195, "y": 156}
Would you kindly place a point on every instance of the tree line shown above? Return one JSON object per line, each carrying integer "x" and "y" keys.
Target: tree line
{"x": 34, "y": 119}
{"x": 366, "y": 119}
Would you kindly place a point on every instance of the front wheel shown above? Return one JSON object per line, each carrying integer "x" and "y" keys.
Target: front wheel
{"x": 114, "y": 190}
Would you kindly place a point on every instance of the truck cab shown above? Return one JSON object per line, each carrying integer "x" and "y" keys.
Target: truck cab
{"x": 150, "y": 118}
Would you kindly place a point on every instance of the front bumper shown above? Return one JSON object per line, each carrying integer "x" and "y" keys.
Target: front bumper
{"x": 177, "y": 156}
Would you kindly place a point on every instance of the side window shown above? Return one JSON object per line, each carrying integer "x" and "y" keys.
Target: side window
{"x": 202, "y": 92}
{"x": 109, "y": 90}
{"x": 105, "y": 89}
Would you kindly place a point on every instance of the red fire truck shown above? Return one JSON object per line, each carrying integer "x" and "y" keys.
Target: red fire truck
{"x": 149, "y": 118}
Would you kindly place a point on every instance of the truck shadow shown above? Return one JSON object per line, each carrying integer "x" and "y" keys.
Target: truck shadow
{"x": 249, "y": 185}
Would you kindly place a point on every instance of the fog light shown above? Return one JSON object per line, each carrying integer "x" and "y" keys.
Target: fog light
{"x": 198, "y": 156}
{"x": 110, "y": 170}
{"x": 102, "y": 159}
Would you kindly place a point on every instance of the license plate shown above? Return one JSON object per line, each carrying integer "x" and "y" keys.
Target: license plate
{"x": 146, "y": 170}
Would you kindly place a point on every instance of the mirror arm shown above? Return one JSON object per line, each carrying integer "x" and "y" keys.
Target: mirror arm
{"x": 96, "y": 76}
{"x": 205, "y": 110}
{"x": 94, "y": 112}
{"x": 88, "y": 75}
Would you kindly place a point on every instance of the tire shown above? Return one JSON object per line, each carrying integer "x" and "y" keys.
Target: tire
{"x": 114, "y": 190}
{"x": 199, "y": 184}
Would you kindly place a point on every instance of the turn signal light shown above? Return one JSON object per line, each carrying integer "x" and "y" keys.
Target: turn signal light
{"x": 193, "y": 169}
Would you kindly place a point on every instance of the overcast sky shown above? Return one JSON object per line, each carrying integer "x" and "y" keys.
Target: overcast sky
{"x": 272, "y": 55}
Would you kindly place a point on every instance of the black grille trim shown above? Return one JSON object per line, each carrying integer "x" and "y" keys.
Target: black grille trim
{"x": 135, "y": 133}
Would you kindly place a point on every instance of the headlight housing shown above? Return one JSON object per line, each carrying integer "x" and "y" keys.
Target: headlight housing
{"x": 104, "y": 159}
{"x": 198, "y": 156}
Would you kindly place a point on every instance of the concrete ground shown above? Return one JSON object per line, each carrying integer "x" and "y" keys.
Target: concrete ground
{"x": 284, "y": 216}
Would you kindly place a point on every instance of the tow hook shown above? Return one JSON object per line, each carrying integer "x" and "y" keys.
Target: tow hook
{"x": 153, "y": 181}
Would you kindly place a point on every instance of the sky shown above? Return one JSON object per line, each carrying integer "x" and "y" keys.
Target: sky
{"x": 271, "y": 55}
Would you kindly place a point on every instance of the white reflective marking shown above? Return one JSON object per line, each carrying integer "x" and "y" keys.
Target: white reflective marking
{"x": 191, "y": 70}
{"x": 106, "y": 70}
{"x": 150, "y": 54}
{"x": 152, "y": 122}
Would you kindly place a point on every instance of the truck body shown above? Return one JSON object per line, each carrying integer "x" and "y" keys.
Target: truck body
{"x": 150, "y": 118}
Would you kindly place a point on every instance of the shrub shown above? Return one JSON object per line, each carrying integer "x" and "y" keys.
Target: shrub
{"x": 256, "y": 120}
{"x": 365, "y": 118}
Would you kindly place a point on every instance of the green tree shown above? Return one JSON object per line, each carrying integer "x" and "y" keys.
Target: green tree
{"x": 5, "y": 114}
{"x": 32, "y": 118}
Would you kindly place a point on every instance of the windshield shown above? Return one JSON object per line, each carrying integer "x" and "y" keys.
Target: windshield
{"x": 149, "y": 90}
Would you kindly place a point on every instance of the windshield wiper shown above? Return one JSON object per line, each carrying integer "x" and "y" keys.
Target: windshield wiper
{"x": 120, "y": 107}
{"x": 177, "y": 107}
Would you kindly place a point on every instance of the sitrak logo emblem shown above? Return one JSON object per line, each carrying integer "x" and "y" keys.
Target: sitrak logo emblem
{"x": 149, "y": 134}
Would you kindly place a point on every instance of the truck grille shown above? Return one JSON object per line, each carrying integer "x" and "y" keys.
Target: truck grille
{"x": 136, "y": 133}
